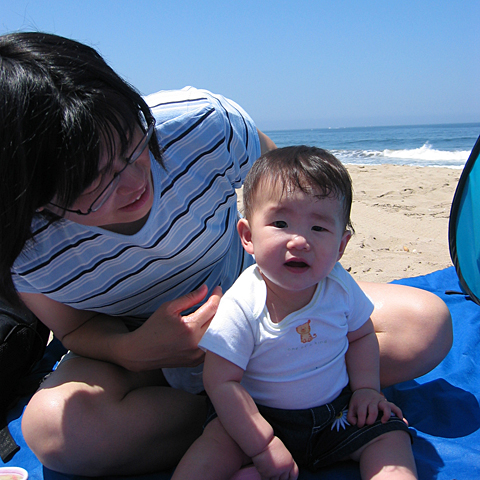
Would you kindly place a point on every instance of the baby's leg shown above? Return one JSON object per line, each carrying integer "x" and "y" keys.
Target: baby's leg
{"x": 388, "y": 456}
{"x": 213, "y": 456}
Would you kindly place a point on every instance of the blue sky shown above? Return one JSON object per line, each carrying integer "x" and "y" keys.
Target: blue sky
{"x": 289, "y": 63}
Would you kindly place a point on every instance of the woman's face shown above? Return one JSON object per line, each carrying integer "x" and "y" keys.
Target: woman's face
{"x": 129, "y": 204}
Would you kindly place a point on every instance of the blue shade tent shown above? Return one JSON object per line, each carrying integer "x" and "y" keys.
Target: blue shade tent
{"x": 464, "y": 226}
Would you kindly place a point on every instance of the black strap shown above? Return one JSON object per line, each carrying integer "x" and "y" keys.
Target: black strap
{"x": 8, "y": 446}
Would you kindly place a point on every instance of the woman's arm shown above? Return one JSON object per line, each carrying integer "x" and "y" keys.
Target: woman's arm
{"x": 266, "y": 143}
{"x": 166, "y": 339}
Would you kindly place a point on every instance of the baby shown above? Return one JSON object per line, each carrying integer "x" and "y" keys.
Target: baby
{"x": 292, "y": 359}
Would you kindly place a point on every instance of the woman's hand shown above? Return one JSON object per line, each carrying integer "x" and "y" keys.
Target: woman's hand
{"x": 168, "y": 339}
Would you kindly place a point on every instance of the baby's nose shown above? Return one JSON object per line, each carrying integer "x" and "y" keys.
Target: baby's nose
{"x": 299, "y": 242}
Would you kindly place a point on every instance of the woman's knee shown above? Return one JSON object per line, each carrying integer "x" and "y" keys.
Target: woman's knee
{"x": 431, "y": 332}
{"x": 414, "y": 330}
{"x": 42, "y": 427}
{"x": 66, "y": 421}
{"x": 441, "y": 330}
{"x": 67, "y": 431}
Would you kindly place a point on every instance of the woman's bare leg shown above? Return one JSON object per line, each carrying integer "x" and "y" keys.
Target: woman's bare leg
{"x": 94, "y": 418}
{"x": 414, "y": 330}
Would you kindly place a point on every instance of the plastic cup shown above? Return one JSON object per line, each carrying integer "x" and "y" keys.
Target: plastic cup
{"x": 13, "y": 473}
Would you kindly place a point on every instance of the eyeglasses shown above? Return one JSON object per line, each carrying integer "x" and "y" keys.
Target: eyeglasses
{"x": 112, "y": 184}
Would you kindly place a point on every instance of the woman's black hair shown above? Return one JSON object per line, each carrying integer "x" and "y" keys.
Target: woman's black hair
{"x": 62, "y": 107}
{"x": 300, "y": 167}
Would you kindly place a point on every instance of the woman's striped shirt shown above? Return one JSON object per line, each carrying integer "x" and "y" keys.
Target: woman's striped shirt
{"x": 190, "y": 237}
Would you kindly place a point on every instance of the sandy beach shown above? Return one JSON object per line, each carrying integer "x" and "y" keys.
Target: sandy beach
{"x": 400, "y": 215}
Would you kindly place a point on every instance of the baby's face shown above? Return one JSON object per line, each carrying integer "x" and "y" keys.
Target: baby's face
{"x": 296, "y": 237}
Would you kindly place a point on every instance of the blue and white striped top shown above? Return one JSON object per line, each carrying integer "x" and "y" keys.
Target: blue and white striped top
{"x": 190, "y": 236}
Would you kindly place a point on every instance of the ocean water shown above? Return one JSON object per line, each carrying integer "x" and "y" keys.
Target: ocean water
{"x": 420, "y": 145}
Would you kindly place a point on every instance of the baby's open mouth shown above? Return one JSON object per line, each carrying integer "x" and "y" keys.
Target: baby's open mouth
{"x": 296, "y": 264}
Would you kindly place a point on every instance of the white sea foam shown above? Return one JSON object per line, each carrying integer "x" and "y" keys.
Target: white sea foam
{"x": 423, "y": 156}
{"x": 420, "y": 145}
{"x": 429, "y": 155}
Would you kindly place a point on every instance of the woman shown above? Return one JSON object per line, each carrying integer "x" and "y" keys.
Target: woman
{"x": 118, "y": 231}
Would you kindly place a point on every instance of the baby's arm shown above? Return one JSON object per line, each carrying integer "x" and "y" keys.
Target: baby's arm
{"x": 242, "y": 420}
{"x": 363, "y": 365}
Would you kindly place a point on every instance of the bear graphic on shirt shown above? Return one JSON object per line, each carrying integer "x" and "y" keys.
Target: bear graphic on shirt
{"x": 304, "y": 331}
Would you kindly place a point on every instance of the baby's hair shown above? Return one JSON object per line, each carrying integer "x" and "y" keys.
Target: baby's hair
{"x": 309, "y": 169}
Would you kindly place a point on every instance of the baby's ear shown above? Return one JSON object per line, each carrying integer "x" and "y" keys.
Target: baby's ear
{"x": 343, "y": 243}
{"x": 243, "y": 229}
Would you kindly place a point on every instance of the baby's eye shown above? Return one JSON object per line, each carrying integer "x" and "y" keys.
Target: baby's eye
{"x": 279, "y": 224}
{"x": 317, "y": 228}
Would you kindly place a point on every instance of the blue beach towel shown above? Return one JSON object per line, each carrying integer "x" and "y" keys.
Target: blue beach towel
{"x": 442, "y": 407}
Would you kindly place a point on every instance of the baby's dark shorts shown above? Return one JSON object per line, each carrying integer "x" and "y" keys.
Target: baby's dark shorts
{"x": 319, "y": 436}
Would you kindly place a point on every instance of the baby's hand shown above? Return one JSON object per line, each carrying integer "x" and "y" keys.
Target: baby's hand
{"x": 365, "y": 405}
{"x": 276, "y": 462}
